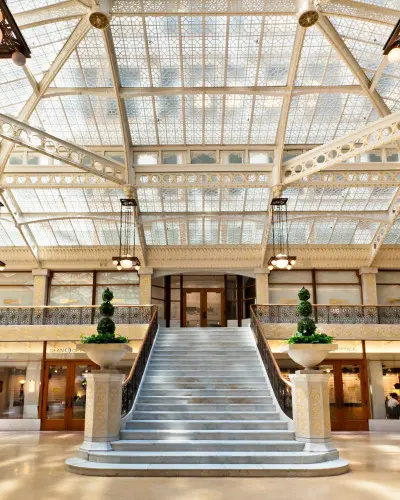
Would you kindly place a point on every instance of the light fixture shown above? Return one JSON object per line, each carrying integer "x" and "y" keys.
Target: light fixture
{"x": 307, "y": 13}
{"x": 100, "y": 17}
{"x": 392, "y": 45}
{"x": 126, "y": 258}
{"x": 281, "y": 258}
{"x": 12, "y": 43}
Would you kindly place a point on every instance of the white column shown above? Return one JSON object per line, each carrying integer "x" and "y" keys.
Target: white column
{"x": 368, "y": 283}
{"x": 31, "y": 389}
{"x": 145, "y": 285}
{"x": 40, "y": 285}
{"x": 103, "y": 410}
{"x": 311, "y": 413}
{"x": 377, "y": 390}
{"x": 262, "y": 296}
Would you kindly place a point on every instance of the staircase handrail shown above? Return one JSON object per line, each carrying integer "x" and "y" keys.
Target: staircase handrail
{"x": 281, "y": 387}
{"x": 131, "y": 383}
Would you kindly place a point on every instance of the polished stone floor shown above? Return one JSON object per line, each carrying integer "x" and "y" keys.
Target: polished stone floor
{"x": 32, "y": 468}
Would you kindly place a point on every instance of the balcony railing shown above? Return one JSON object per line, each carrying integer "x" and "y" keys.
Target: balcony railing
{"x": 72, "y": 315}
{"x": 368, "y": 315}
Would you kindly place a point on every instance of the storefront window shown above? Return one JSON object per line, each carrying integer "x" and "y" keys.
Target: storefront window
{"x": 125, "y": 287}
{"x": 284, "y": 286}
{"x": 338, "y": 288}
{"x": 71, "y": 289}
{"x": 16, "y": 289}
{"x": 388, "y": 288}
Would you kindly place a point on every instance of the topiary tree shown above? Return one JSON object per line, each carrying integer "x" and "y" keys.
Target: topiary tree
{"x": 106, "y": 326}
{"x": 306, "y": 327}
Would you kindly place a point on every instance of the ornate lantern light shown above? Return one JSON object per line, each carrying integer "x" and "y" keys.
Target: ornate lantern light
{"x": 281, "y": 258}
{"x": 12, "y": 43}
{"x": 126, "y": 258}
{"x": 392, "y": 46}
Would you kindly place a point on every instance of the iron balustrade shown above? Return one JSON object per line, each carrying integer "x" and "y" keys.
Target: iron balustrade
{"x": 281, "y": 387}
{"x": 131, "y": 384}
{"x": 367, "y": 315}
{"x": 72, "y": 315}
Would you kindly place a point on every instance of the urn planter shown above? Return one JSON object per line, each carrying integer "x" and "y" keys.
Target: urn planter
{"x": 308, "y": 355}
{"x": 105, "y": 355}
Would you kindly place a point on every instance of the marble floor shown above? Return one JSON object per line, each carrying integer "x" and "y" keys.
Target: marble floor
{"x": 32, "y": 468}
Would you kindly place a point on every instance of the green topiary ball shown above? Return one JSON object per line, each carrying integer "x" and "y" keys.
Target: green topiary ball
{"x": 106, "y": 326}
{"x": 107, "y": 295}
{"x": 304, "y": 309}
{"x": 107, "y": 309}
{"x": 304, "y": 294}
{"x": 306, "y": 326}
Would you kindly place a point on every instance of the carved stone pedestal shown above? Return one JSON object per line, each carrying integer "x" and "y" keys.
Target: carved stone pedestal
{"x": 311, "y": 414}
{"x": 103, "y": 410}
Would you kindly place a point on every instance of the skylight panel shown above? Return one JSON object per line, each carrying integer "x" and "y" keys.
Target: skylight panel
{"x": 52, "y": 117}
{"x": 358, "y": 112}
{"x": 276, "y": 52}
{"x": 213, "y": 118}
{"x": 17, "y": 6}
{"x": 237, "y": 119}
{"x": 300, "y": 117}
{"x": 191, "y": 29}
{"x": 195, "y": 200}
{"x": 211, "y": 231}
{"x": 163, "y": 46}
{"x": 194, "y": 119}
{"x": 15, "y": 88}
{"x": 130, "y": 49}
{"x": 321, "y": 231}
{"x": 107, "y": 232}
{"x": 169, "y": 119}
{"x": 393, "y": 236}
{"x": 74, "y": 200}
{"x": 364, "y": 39}
{"x": 214, "y": 46}
{"x": 9, "y": 235}
{"x": 343, "y": 232}
{"x": 389, "y": 88}
{"x": 174, "y": 233}
{"x": 256, "y": 199}
{"x": 103, "y": 200}
{"x": 174, "y": 200}
{"x": 365, "y": 232}
{"x": 356, "y": 198}
{"x": 195, "y": 231}
{"x": 299, "y": 232}
{"x": 154, "y": 233}
{"x": 27, "y": 200}
{"x": 43, "y": 233}
{"x": 231, "y": 231}
{"x": 46, "y": 42}
{"x": 149, "y": 199}
{"x": 141, "y": 120}
{"x": 244, "y": 39}
{"x": 252, "y": 232}
{"x": 380, "y": 198}
{"x": 266, "y": 115}
{"x": 320, "y": 63}
{"x": 64, "y": 232}
{"x": 233, "y": 199}
{"x": 212, "y": 200}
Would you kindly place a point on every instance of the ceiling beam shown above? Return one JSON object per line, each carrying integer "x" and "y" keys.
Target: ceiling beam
{"x": 62, "y": 11}
{"x": 126, "y": 133}
{"x": 378, "y": 134}
{"x": 18, "y": 132}
{"x": 360, "y": 10}
{"x": 130, "y": 92}
{"x": 327, "y": 28}
{"x": 70, "y": 45}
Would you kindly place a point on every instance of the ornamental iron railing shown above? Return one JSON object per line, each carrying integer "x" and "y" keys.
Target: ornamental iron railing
{"x": 367, "y": 315}
{"x": 131, "y": 384}
{"x": 72, "y": 315}
{"x": 281, "y": 387}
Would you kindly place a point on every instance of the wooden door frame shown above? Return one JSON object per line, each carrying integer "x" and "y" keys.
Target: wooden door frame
{"x": 203, "y": 304}
{"x": 350, "y": 425}
{"x": 67, "y": 423}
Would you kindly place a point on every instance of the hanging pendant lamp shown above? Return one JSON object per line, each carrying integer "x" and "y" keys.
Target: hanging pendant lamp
{"x": 127, "y": 243}
{"x": 281, "y": 258}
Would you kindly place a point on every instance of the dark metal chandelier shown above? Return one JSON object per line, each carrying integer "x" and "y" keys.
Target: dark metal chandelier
{"x": 12, "y": 43}
{"x": 392, "y": 46}
{"x": 126, "y": 258}
{"x": 2, "y": 265}
{"x": 281, "y": 258}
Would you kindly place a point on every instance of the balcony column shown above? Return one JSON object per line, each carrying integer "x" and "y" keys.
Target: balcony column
{"x": 31, "y": 389}
{"x": 311, "y": 414}
{"x": 262, "y": 296}
{"x": 368, "y": 283}
{"x": 145, "y": 285}
{"x": 40, "y": 286}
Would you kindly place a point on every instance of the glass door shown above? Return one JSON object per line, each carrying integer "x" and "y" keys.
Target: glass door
{"x": 348, "y": 395}
{"x": 214, "y": 307}
{"x": 204, "y": 307}
{"x": 192, "y": 308}
{"x": 64, "y": 395}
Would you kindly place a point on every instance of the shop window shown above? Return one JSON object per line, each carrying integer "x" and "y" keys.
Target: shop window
{"x": 16, "y": 289}
{"x": 284, "y": 286}
{"x": 71, "y": 289}
{"x": 338, "y": 288}
{"x": 388, "y": 288}
{"x": 125, "y": 287}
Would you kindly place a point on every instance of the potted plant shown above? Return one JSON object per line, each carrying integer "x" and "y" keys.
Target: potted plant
{"x": 308, "y": 347}
{"x": 104, "y": 347}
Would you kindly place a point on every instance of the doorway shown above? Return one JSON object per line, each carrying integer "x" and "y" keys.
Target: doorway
{"x": 204, "y": 307}
{"x": 348, "y": 394}
{"x": 64, "y": 395}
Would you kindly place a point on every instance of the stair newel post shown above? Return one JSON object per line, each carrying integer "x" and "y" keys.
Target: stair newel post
{"x": 311, "y": 411}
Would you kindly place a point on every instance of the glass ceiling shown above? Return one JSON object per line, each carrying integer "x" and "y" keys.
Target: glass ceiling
{"x": 189, "y": 78}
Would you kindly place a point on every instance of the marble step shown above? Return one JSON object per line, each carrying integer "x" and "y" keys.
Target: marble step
{"x": 206, "y": 445}
{"x": 328, "y": 468}
{"x": 208, "y": 457}
{"x": 207, "y": 435}
{"x": 205, "y": 415}
{"x": 213, "y": 425}
{"x": 145, "y": 398}
{"x": 203, "y": 407}
{"x": 204, "y": 393}
{"x": 168, "y": 386}
{"x": 215, "y": 372}
{"x": 227, "y": 379}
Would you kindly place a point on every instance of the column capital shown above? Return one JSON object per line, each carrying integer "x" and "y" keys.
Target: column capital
{"x": 40, "y": 272}
{"x": 368, "y": 270}
{"x": 145, "y": 270}
{"x": 261, "y": 270}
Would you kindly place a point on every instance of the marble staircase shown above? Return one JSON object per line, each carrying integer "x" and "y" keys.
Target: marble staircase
{"x": 205, "y": 407}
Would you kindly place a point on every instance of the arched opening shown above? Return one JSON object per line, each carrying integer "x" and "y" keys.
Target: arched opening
{"x": 194, "y": 299}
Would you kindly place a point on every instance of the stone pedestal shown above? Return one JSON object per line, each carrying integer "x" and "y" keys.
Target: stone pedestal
{"x": 103, "y": 410}
{"x": 311, "y": 414}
